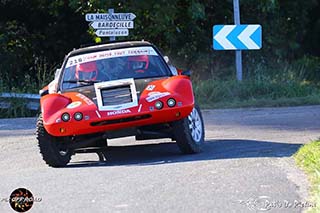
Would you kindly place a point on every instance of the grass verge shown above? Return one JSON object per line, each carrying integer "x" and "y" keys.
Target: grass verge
{"x": 233, "y": 94}
{"x": 308, "y": 158}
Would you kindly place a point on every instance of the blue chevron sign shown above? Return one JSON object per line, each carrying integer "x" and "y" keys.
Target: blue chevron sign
{"x": 237, "y": 37}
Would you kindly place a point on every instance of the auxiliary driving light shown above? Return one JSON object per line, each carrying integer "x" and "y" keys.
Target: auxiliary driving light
{"x": 158, "y": 105}
{"x": 78, "y": 116}
{"x": 171, "y": 102}
{"x": 65, "y": 117}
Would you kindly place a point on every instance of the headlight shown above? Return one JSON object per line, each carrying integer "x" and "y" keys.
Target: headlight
{"x": 158, "y": 105}
{"x": 171, "y": 102}
{"x": 65, "y": 117}
{"x": 78, "y": 116}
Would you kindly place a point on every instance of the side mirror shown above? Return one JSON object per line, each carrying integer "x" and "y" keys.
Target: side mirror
{"x": 53, "y": 86}
{"x": 186, "y": 72}
{"x": 44, "y": 91}
{"x": 57, "y": 73}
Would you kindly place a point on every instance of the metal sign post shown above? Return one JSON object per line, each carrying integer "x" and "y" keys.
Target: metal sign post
{"x": 237, "y": 37}
{"x": 111, "y": 11}
{"x": 236, "y": 14}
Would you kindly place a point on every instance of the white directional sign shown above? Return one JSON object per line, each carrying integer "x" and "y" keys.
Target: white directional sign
{"x": 112, "y": 32}
{"x": 237, "y": 37}
{"x": 112, "y": 24}
{"x": 110, "y": 17}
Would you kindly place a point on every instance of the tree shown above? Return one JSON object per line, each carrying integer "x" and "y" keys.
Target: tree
{"x": 36, "y": 34}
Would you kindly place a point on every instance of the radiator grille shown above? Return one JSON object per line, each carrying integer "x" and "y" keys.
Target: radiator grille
{"x": 116, "y": 95}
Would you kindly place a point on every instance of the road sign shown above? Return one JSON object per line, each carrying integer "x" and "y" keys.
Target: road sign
{"x": 110, "y": 16}
{"x": 112, "y": 24}
{"x": 237, "y": 37}
{"x": 112, "y": 32}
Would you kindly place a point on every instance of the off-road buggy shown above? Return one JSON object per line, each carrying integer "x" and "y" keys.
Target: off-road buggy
{"x": 116, "y": 90}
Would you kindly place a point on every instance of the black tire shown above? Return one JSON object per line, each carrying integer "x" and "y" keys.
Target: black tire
{"x": 189, "y": 132}
{"x": 51, "y": 148}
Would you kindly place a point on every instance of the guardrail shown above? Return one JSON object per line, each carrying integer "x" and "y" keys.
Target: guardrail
{"x": 31, "y": 101}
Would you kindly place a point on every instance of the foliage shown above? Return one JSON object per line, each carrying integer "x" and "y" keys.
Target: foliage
{"x": 43, "y": 31}
{"x": 308, "y": 158}
{"x": 36, "y": 30}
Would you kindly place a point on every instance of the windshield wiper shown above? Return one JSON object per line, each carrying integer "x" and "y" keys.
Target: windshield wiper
{"x": 82, "y": 82}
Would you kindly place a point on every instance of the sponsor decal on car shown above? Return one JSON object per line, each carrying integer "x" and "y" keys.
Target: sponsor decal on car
{"x": 85, "y": 99}
{"x": 98, "y": 114}
{"x": 131, "y": 51}
{"x": 152, "y": 96}
{"x": 150, "y": 87}
{"x": 119, "y": 112}
{"x": 74, "y": 104}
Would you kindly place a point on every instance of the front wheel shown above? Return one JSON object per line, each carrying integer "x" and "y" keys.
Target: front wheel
{"x": 51, "y": 148}
{"x": 189, "y": 132}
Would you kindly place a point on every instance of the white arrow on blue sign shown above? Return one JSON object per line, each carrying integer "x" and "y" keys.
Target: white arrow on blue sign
{"x": 237, "y": 37}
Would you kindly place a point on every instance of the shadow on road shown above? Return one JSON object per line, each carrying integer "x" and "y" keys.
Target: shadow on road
{"x": 163, "y": 153}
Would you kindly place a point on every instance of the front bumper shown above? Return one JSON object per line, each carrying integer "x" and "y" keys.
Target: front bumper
{"x": 103, "y": 122}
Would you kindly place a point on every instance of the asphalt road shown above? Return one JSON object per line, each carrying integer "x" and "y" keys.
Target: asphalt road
{"x": 247, "y": 166}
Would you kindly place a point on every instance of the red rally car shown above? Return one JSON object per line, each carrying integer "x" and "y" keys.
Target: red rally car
{"x": 116, "y": 90}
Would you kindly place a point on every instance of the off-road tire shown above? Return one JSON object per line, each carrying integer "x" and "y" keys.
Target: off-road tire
{"x": 189, "y": 132}
{"x": 49, "y": 147}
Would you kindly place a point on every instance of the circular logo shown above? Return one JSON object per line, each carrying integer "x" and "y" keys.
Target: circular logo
{"x": 74, "y": 105}
{"x": 21, "y": 200}
{"x": 263, "y": 203}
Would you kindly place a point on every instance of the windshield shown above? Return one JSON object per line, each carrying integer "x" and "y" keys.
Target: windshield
{"x": 106, "y": 65}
